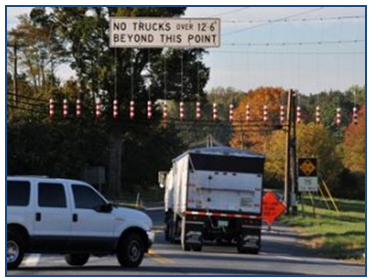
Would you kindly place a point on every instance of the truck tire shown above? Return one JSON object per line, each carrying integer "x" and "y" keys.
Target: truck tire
{"x": 247, "y": 250}
{"x": 244, "y": 250}
{"x": 77, "y": 259}
{"x": 254, "y": 251}
{"x": 167, "y": 232}
{"x": 14, "y": 251}
{"x": 185, "y": 246}
{"x": 197, "y": 247}
{"x": 130, "y": 251}
{"x": 241, "y": 249}
{"x": 171, "y": 228}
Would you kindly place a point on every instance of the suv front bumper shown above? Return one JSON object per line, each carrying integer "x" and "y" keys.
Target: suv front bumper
{"x": 151, "y": 238}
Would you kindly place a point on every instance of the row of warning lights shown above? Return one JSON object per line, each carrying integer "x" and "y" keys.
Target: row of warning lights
{"x": 248, "y": 117}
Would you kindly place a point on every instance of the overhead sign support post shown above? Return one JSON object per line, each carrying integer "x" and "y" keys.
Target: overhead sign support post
{"x": 164, "y": 32}
{"x": 152, "y": 32}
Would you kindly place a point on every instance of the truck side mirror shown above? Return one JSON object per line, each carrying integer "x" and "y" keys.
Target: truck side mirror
{"x": 162, "y": 178}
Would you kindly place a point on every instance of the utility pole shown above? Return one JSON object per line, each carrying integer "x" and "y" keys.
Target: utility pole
{"x": 294, "y": 167}
{"x": 291, "y": 175}
{"x": 15, "y": 47}
{"x": 287, "y": 190}
{"x": 15, "y": 83}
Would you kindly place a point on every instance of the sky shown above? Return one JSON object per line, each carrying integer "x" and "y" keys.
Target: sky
{"x": 310, "y": 49}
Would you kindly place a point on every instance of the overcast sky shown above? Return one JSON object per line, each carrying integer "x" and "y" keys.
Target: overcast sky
{"x": 305, "y": 48}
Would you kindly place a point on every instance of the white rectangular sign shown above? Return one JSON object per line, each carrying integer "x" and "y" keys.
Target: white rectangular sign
{"x": 164, "y": 32}
{"x": 308, "y": 184}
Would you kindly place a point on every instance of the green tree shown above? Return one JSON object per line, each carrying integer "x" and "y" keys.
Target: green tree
{"x": 328, "y": 103}
{"x": 39, "y": 52}
{"x": 313, "y": 140}
{"x": 120, "y": 74}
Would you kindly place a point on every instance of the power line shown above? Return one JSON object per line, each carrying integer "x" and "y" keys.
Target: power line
{"x": 287, "y": 53}
{"x": 230, "y": 12}
{"x": 20, "y": 102}
{"x": 298, "y": 43}
{"x": 273, "y": 21}
{"x": 27, "y": 109}
{"x": 295, "y": 19}
{"x": 28, "y": 97}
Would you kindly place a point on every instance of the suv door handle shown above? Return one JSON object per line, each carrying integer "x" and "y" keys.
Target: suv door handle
{"x": 38, "y": 217}
{"x": 74, "y": 217}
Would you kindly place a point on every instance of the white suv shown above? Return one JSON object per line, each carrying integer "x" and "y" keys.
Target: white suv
{"x": 70, "y": 217}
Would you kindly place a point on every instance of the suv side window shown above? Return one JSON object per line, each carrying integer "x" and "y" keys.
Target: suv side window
{"x": 86, "y": 198}
{"x": 18, "y": 193}
{"x": 52, "y": 195}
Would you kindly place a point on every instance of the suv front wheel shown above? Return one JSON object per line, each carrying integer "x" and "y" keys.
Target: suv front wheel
{"x": 14, "y": 250}
{"x": 130, "y": 251}
{"x": 77, "y": 259}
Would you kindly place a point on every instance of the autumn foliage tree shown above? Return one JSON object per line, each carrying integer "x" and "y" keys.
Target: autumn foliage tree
{"x": 354, "y": 146}
{"x": 313, "y": 140}
{"x": 254, "y": 137}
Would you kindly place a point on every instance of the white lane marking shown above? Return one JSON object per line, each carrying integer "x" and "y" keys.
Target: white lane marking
{"x": 32, "y": 260}
{"x": 306, "y": 259}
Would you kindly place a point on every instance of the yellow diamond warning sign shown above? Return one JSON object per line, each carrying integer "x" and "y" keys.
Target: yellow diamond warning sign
{"x": 307, "y": 167}
{"x": 307, "y": 180}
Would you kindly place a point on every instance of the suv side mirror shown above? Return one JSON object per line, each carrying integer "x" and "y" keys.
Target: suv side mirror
{"x": 104, "y": 208}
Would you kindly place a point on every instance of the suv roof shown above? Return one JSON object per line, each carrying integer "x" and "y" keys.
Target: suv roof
{"x": 44, "y": 178}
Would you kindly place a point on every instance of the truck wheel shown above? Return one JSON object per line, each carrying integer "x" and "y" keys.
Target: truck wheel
{"x": 253, "y": 251}
{"x": 77, "y": 259}
{"x": 186, "y": 247}
{"x": 171, "y": 232}
{"x": 130, "y": 251}
{"x": 14, "y": 250}
{"x": 246, "y": 250}
{"x": 197, "y": 247}
{"x": 241, "y": 250}
{"x": 167, "y": 231}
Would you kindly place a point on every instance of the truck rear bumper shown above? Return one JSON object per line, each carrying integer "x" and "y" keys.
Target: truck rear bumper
{"x": 224, "y": 226}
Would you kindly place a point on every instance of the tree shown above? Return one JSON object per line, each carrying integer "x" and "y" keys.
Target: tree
{"x": 328, "y": 103}
{"x": 121, "y": 74}
{"x": 225, "y": 96}
{"x": 40, "y": 51}
{"x": 58, "y": 149}
{"x": 254, "y": 137}
{"x": 313, "y": 140}
{"x": 354, "y": 146}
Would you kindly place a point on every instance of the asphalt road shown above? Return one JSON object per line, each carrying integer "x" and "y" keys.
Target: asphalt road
{"x": 280, "y": 255}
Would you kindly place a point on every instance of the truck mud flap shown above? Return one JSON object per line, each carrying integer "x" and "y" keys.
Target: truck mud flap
{"x": 192, "y": 234}
{"x": 249, "y": 242}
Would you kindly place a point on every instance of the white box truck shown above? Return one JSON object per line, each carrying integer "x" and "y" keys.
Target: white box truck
{"x": 214, "y": 194}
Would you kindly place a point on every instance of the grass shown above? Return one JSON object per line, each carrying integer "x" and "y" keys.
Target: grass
{"x": 330, "y": 233}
